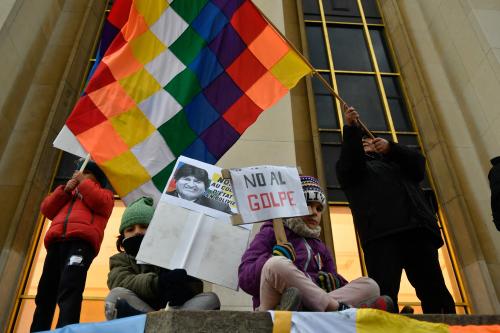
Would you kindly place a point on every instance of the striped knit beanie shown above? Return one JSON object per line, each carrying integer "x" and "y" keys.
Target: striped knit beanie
{"x": 312, "y": 190}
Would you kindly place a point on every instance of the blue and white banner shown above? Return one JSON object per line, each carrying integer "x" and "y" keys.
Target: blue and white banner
{"x": 133, "y": 324}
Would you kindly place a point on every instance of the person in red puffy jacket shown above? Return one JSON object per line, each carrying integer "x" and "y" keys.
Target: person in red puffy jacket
{"x": 79, "y": 212}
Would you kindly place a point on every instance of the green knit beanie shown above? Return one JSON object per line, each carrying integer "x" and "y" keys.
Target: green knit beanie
{"x": 138, "y": 212}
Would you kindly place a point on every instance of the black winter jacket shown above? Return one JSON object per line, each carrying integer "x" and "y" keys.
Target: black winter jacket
{"x": 383, "y": 191}
{"x": 494, "y": 178}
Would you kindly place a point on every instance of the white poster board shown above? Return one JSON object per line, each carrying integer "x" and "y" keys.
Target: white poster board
{"x": 268, "y": 192}
{"x": 206, "y": 247}
{"x": 200, "y": 187}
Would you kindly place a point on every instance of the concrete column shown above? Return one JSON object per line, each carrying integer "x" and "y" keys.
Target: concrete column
{"x": 45, "y": 47}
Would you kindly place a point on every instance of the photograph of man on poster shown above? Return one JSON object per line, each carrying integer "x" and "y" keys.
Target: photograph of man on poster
{"x": 191, "y": 183}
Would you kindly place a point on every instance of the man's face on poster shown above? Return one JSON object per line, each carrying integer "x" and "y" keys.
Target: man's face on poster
{"x": 190, "y": 187}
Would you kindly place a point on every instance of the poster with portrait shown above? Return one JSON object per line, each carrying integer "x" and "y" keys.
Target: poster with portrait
{"x": 200, "y": 187}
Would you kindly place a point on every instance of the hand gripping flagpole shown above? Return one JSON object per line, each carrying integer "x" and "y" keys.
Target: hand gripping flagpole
{"x": 84, "y": 164}
{"x": 345, "y": 106}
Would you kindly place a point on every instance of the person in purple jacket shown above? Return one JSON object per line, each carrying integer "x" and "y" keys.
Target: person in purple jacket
{"x": 301, "y": 273}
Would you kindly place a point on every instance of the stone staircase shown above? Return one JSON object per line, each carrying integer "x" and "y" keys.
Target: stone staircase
{"x": 260, "y": 322}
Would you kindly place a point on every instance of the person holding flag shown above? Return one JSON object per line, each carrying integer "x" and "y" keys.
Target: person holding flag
{"x": 494, "y": 180}
{"x": 397, "y": 228}
{"x": 79, "y": 212}
{"x": 301, "y": 273}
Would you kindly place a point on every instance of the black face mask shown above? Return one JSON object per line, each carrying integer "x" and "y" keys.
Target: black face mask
{"x": 132, "y": 244}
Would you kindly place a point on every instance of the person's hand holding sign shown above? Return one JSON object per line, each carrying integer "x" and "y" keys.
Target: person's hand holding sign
{"x": 285, "y": 250}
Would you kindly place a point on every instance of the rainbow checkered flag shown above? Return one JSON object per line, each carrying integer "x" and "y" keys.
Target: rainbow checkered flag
{"x": 181, "y": 77}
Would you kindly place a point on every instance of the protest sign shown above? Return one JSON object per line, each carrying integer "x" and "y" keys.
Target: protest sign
{"x": 268, "y": 192}
{"x": 206, "y": 247}
{"x": 200, "y": 187}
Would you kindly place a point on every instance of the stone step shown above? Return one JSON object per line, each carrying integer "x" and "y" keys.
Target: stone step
{"x": 260, "y": 322}
{"x": 451, "y": 319}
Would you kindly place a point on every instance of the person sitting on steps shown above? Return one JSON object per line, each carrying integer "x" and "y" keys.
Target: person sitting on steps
{"x": 137, "y": 288}
{"x": 301, "y": 274}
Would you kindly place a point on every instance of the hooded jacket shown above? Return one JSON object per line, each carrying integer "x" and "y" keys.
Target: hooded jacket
{"x": 143, "y": 280}
{"x": 261, "y": 248}
{"x": 383, "y": 191}
{"x": 82, "y": 214}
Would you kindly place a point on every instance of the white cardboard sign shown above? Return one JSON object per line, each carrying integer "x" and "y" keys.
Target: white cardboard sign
{"x": 206, "y": 247}
{"x": 268, "y": 192}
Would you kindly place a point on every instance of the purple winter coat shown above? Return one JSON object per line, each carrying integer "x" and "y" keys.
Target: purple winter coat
{"x": 261, "y": 248}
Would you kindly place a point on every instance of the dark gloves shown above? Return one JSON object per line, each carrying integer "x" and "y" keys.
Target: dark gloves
{"x": 168, "y": 277}
{"x": 285, "y": 250}
{"x": 328, "y": 282}
{"x": 172, "y": 287}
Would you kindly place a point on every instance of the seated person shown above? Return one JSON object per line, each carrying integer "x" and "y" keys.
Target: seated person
{"x": 301, "y": 273}
{"x": 191, "y": 183}
{"x": 140, "y": 288}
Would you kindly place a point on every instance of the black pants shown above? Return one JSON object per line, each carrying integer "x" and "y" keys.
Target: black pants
{"x": 62, "y": 282}
{"x": 414, "y": 252}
